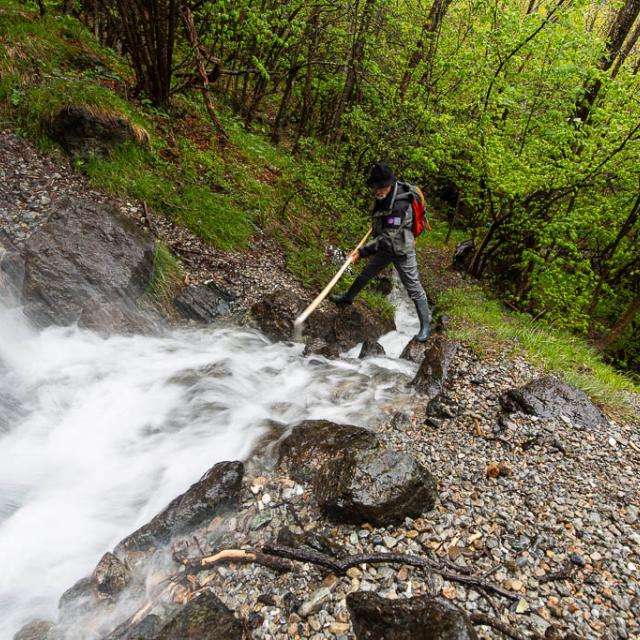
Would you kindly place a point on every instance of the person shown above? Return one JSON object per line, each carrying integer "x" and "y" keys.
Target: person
{"x": 392, "y": 242}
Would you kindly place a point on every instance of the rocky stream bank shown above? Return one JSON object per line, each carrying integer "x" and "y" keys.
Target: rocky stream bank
{"x": 498, "y": 502}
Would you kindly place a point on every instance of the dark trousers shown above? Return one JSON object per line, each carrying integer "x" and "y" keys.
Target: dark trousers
{"x": 406, "y": 266}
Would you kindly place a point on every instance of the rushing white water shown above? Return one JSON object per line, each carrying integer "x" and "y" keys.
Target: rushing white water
{"x": 98, "y": 434}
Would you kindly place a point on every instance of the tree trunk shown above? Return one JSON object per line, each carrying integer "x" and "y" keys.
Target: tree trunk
{"x": 609, "y": 252}
{"x": 281, "y": 118}
{"x": 623, "y": 322}
{"x": 149, "y": 33}
{"x": 616, "y": 37}
{"x": 426, "y": 43}
{"x": 353, "y": 66}
{"x": 307, "y": 96}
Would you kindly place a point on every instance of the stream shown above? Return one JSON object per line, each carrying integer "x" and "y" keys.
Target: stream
{"x": 98, "y": 434}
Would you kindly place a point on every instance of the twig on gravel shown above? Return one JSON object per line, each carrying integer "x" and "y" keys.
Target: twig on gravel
{"x": 564, "y": 573}
{"x": 498, "y": 625}
{"x": 340, "y": 566}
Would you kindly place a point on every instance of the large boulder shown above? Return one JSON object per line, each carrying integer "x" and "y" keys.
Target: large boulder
{"x": 276, "y": 312}
{"x": 87, "y": 264}
{"x": 549, "y": 397}
{"x": 216, "y": 492}
{"x": 345, "y": 327}
{"x": 376, "y": 487}
{"x": 147, "y": 629}
{"x": 203, "y": 302}
{"x": 419, "y": 618}
{"x": 203, "y": 618}
{"x": 314, "y": 442}
{"x": 39, "y": 630}
{"x": 84, "y": 132}
{"x": 434, "y": 370}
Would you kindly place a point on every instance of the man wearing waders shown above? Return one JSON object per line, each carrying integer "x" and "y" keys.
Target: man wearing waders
{"x": 392, "y": 241}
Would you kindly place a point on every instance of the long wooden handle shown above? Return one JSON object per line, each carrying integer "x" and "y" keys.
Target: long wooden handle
{"x": 325, "y": 292}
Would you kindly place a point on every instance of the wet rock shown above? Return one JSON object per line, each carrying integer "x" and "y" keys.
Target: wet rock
{"x": 344, "y": 327}
{"x": 77, "y": 600}
{"x": 371, "y": 349}
{"x": 414, "y": 351}
{"x": 147, "y": 629}
{"x": 84, "y": 132}
{"x": 276, "y": 312}
{"x": 216, "y": 492}
{"x": 87, "y": 264}
{"x": 205, "y": 618}
{"x": 419, "y": 618}
{"x": 110, "y": 577}
{"x": 204, "y": 302}
{"x": 549, "y": 397}
{"x": 38, "y": 630}
{"x": 356, "y": 323}
{"x": 376, "y": 487}
{"x": 434, "y": 370}
{"x": 314, "y": 442}
{"x": 321, "y": 347}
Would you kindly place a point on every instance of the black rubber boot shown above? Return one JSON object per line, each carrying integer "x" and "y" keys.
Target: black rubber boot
{"x": 422, "y": 307}
{"x": 347, "y": 298}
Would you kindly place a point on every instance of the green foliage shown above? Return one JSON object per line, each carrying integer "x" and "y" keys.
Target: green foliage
{"x": 166, "y": 277}
{"x": 485, "y": 325}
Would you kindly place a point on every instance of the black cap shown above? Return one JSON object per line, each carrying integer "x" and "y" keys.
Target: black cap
{"x": 380, "y": 176}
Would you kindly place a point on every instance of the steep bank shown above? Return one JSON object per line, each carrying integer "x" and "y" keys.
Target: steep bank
{"x": 556, "y": 505}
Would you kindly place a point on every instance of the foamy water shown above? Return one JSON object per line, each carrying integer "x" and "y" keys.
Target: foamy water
{"x": 97, "y": 435}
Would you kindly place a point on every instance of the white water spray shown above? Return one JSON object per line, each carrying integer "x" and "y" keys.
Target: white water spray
{"x": 97, "y": 435}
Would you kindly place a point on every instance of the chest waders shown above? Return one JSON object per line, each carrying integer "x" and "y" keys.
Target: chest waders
{"x": 403, "y": 257}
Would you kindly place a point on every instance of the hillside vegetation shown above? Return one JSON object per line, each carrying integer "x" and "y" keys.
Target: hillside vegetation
{"x": 518, "y": 119}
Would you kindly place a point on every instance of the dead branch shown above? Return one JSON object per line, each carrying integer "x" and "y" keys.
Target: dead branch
{"x": 340, "y": 566}
{"x": 187, "y": 18}
{"x": 498, "y": 625}
{"x": 564, "y": 573}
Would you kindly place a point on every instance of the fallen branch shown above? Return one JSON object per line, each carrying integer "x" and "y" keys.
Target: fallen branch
{"x": 564, "y": 573}
{"x": 237, "y": 555}
{"x": 340, "y": 566}
{"x": 487, "y": 621}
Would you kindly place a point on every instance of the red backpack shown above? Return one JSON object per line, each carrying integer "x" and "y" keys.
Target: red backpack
{"x": 420, "y": 219}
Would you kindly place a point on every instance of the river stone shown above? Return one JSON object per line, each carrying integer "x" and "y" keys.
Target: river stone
{"x": 321, "y": 347}
{"x": 549, "y": 397}
{"x": 39, "y": 630}
{"x": 414, "y": 351}
{"x": 216, "y": 492}
{"x": 371, "y": 349}
{"x": 203, "y": 302}
{"x": 376, "y": 487}
{"x": 203, "y": 618}
{"x": 434, "y": 370}
{"x": 84, "y": 132}
{"x": 419, "y": 618}
{"x": 87, "y": 264}
{"x": 110, "y": 577}
{"x": 314, "y": 442}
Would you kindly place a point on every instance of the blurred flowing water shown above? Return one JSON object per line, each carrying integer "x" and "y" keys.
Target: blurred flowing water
{"x": 99, "y": 434}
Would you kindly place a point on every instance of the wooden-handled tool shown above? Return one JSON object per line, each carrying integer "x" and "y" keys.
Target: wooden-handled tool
{"x": 300, "y": 320}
